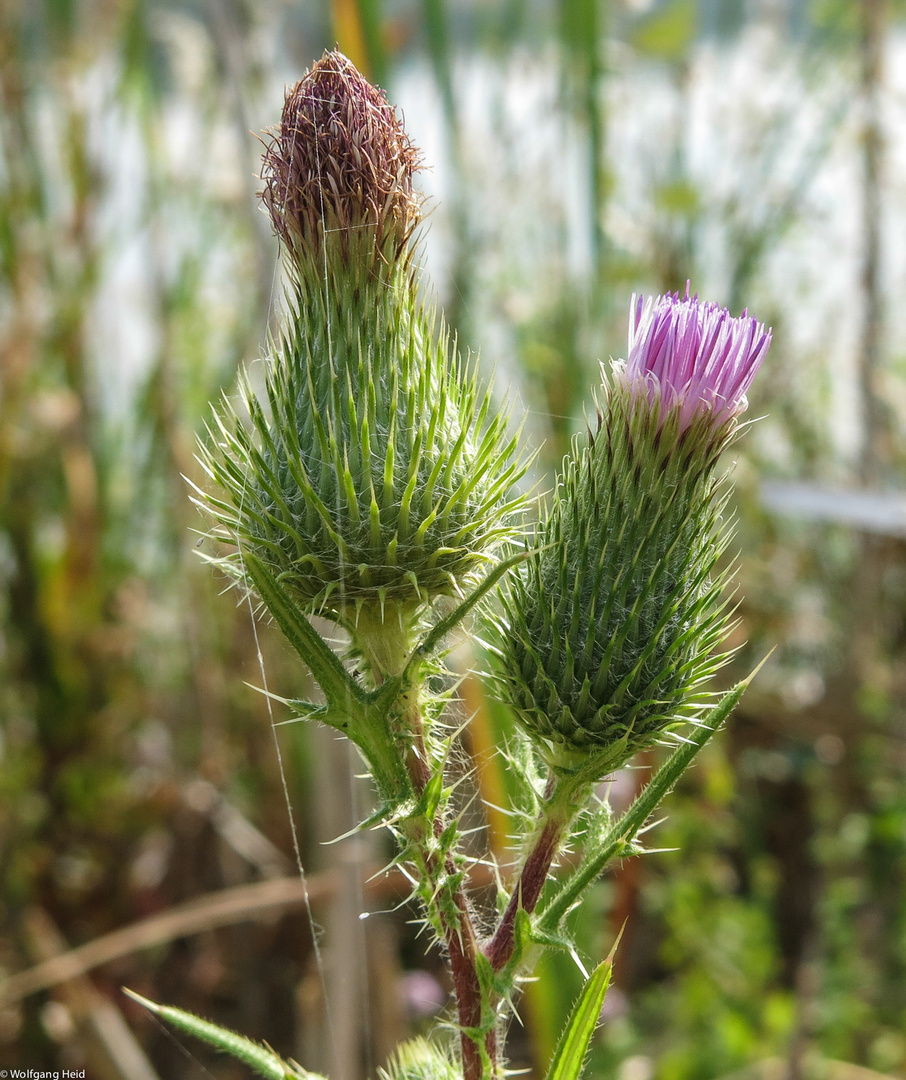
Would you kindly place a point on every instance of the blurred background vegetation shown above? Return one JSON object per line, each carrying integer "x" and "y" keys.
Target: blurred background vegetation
{"x": 578, "y": 150}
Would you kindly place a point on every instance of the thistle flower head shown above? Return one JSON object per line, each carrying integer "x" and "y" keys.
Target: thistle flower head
{"x": 612, "y": 628}
{"x": 693, "y": 355}
{"x": 338, "y": 168}
{"x": 374, "y": 474}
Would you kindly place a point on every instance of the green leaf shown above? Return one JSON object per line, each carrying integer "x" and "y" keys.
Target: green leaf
{"x": 430, "y": 800}
{"x": 575, "y": 1040}
{"x": 332, "y": 677}
{"x": 618, "y": 838}
{"x": 265, "y": 1062}
{"x": 437, "y": 632}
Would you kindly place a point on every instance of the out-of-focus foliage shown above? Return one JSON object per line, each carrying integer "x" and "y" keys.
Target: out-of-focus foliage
{"x": 133, "y": 280}
{"x": 582, "y": 149}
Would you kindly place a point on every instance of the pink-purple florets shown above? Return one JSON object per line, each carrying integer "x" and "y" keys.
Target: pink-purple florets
{"x": 693, "y": 354}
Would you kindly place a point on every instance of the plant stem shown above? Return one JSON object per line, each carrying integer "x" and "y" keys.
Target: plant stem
{"x": 444, "y": 895}
{"x": 417, "y": 764}
{"x": 459, "y": 934}
{"x": 500, "y": 948}
{"x": 622, "y": 833}
{"x": 535, "y": 869}
{"x": 455, "y": 920}
{"x": 462, "y": 948}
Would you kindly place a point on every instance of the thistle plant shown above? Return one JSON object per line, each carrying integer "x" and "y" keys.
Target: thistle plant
{"x": 372, "y": 480}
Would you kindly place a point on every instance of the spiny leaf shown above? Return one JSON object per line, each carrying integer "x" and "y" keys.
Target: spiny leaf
{"x": 569, "y": 1056}
{"x": 622, "y": 832}
{"x": 265, "y": 1062}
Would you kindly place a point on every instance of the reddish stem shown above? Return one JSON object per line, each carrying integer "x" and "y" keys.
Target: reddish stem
{"x": 461, "y": 948}
{"x": 459, "y": 932}
{"x": 527, "y": 893}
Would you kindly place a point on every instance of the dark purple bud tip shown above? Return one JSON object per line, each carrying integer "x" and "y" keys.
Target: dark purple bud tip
{"x": 338, "y": 168}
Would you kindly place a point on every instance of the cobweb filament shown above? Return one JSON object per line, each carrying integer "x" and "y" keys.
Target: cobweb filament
{"x": 294, "y": 832}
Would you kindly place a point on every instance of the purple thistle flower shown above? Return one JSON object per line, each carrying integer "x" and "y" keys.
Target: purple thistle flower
{"x": 693, "y": 354}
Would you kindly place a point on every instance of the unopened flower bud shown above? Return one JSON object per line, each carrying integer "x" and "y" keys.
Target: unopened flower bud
{"x": 608, "y": 636}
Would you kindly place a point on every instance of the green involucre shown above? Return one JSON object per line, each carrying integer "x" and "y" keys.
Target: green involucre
{"x": 421, "y": 1060}
{"x": 374, "y": 470}
{"x": 609, "y": 631}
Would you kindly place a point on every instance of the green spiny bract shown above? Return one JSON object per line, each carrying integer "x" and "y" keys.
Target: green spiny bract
{"x": 374, "y": 474}
{"x": 371, "y": 473}
{"x": 608, "y": 633}
{"x": 421, "y": 1060}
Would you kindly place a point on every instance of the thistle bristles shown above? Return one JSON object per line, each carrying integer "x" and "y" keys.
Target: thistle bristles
{"x": 338, "y": 169}
{"x": 421, "y": 1060}
{"x": 367, "y": 479}
{"x": 607, "y": 636}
